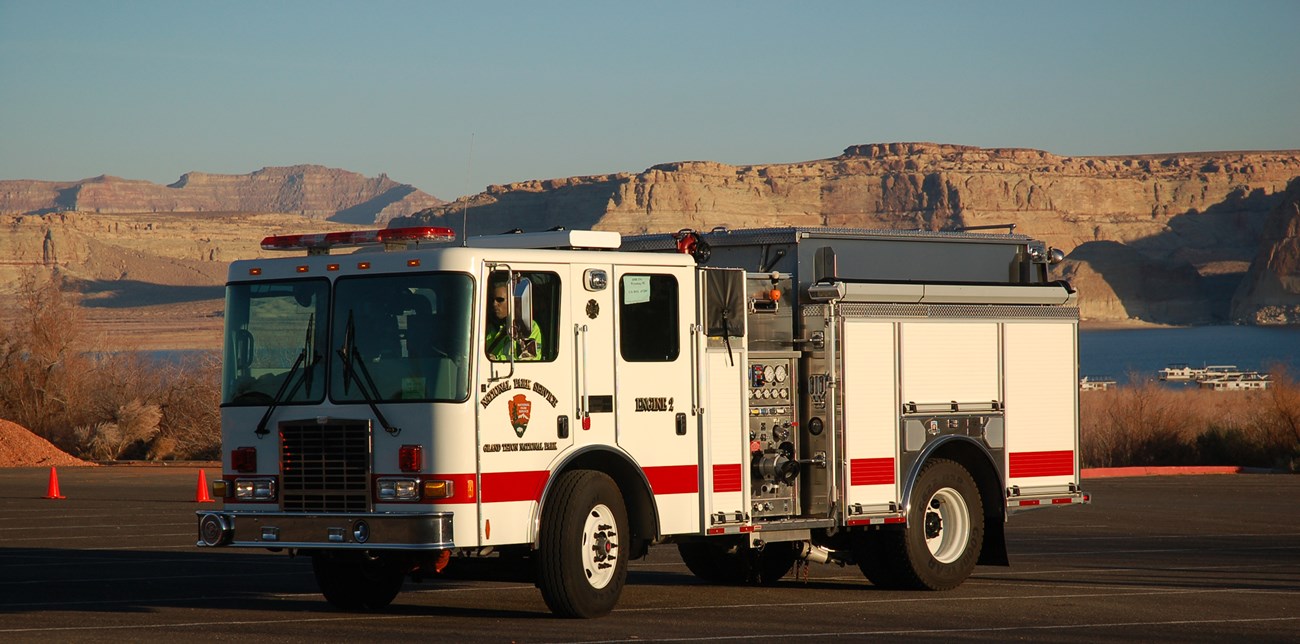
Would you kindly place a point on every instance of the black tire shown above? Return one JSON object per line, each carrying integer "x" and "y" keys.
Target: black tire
{"x": 775, "y": 560}
{"x": 731, "y": 562}
{"x": 878, "y": 557}
{"x": 941, "y": 543}
{"x": 723, "y": 562}
{"x": 581, "y": 566}
{"x": 355, "y": 583}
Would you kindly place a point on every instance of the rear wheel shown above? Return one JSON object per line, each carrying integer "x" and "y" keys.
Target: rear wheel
{"x": 941, "y": 543}
{"x": 357, "y": 582}
{"x": 581, "y": 567}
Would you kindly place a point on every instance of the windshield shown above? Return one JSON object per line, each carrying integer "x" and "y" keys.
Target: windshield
{"x": 411, "y": 336}
{"x": 269, "y": 326}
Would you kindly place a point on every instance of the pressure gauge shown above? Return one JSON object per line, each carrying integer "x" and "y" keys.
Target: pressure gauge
{"x": 769, "y": 374}
{"x": 781, "y": 373}
{"x": 784, "y": 393}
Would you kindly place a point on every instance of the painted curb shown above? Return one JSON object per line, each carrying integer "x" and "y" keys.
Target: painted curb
{"x": 1116, "y": 472}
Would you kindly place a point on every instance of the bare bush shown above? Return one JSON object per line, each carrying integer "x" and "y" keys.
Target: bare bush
{"x": 191, "y": 410}
{"x": 1141, "y": 424}
{"x": 1274, "y": 426}
{"x": 1150, "y": 424}
{"x": 95, "y": 404}
{"x": 133, "y": 424}
{"x": 41, "y": 355}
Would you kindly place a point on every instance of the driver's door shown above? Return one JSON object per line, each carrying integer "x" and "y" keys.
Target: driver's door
{"x": 524, "y": 397}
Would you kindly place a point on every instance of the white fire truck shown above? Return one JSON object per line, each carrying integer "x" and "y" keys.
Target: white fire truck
{"x": 561, "y": 401}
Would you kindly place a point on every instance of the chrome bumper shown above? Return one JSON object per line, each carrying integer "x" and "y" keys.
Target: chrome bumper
{"x": 373, "y": 531}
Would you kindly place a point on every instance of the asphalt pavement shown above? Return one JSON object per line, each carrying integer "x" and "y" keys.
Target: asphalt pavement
{"x": 1180, "y": 558}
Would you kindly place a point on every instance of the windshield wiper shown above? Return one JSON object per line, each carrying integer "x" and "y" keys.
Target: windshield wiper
{"x": 348, "y": 352}
{"x": 308, "y": 349}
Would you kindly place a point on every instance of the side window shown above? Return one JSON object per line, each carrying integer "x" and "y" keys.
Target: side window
{"x": 532, "y": 300}
{"x": 648, "y": 318}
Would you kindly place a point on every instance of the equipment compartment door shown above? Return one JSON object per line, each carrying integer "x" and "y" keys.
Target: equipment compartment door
{"x": 656, "y": 424}
{"x": 870, "y": 416}
{"x": 1042, "y": 386}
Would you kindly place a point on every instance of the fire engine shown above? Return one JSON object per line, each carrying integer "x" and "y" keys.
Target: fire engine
{"x": 563, "y": 400}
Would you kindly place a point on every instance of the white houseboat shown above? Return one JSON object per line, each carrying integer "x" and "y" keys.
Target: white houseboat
{"x": 1096, "y": 383}
{"x": 1239, "y": 381}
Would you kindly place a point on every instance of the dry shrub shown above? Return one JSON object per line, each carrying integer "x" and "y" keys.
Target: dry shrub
{"x": 1273, "y": 427}
{"x": 42, "y": 359}
{"x": 1148, "y": 424}
{"x": 134, "y": 423}
{"x": 191, "y": 410}
{"x": 95, "y": 404}
{"x": 1141, "y": 424}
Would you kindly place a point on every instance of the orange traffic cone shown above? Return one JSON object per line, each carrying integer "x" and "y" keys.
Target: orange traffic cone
{"x": 53, "y": 491}
{"x": 201, "y": 496}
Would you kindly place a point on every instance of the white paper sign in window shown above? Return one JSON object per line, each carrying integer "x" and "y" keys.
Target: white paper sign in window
{"x": 636, "y": 289}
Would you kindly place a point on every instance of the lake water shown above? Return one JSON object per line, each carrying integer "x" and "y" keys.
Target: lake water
{"x": 1116, "y": 353}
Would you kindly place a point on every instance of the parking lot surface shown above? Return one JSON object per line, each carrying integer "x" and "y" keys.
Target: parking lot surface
{"x": 1185, "y": 558}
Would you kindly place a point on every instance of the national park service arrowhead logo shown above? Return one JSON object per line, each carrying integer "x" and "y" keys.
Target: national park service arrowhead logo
{"x": 521, "y": 409}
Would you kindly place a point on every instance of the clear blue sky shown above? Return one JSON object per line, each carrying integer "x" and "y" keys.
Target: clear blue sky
{"x": 151, "y": 90}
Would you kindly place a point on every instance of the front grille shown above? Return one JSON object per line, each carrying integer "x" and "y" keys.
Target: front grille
{"x": 325, "y": 467}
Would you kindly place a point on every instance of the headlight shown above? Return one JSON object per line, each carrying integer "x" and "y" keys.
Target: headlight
{"x": 254, "y": 489}
{"x": 398, "y": 489}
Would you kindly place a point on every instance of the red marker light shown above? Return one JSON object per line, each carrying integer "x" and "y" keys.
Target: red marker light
{"x": 243, "y": 459}
{"x": 410, "y": 458}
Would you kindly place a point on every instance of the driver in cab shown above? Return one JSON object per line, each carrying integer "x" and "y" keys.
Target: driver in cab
{"x": 524, "y": 344}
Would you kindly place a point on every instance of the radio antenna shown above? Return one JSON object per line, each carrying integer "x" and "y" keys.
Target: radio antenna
{"x": 464, "y": 209}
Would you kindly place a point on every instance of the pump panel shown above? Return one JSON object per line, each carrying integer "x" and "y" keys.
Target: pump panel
{"x": 773, "y": 434}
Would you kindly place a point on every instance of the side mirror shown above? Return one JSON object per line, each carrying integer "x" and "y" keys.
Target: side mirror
{"x": 243, "y": 352}
{"x": 523, "y": 303}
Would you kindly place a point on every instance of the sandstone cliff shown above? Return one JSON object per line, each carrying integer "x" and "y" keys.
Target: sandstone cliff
{"x": 1186, "y": 225}
{"x": 1270, "y": 292}
{"x": 310, "y": 190}
{"x": 149, "y": 281}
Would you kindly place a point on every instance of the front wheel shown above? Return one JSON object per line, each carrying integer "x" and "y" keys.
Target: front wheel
{"x": 357, "y": 583}
{"x": 581, "y": 565}
{"x": 733, "y": 562}
{"x": 941, "y": 543}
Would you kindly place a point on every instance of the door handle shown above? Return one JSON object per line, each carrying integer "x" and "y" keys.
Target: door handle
{"x": 681, "y": 424}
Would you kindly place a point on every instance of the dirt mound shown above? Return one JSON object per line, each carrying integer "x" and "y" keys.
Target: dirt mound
{"x": 19, "y": 447}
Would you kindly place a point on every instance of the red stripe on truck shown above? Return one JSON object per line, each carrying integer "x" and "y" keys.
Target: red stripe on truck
{"x": 871, "y": 471}
{"x": 726, "y": 478}
{"x": 500, "y": 487}
{"x": 673, "y": 479}
{"x": 503, "y": 487}
{"x": 1030, "y": 464}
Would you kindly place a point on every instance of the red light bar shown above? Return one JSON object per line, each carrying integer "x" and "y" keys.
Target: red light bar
{"x": 354, "y": 238}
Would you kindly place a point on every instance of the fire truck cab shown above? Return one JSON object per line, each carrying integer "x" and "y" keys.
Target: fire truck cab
{"x": 566, "y": 399}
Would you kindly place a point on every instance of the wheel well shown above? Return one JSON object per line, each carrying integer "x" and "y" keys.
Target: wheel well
{"x": 641, "y": 516}
{"x": 989, "y": 481}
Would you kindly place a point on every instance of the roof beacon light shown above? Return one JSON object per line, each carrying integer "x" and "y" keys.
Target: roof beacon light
{"x": 321, "y": 243}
